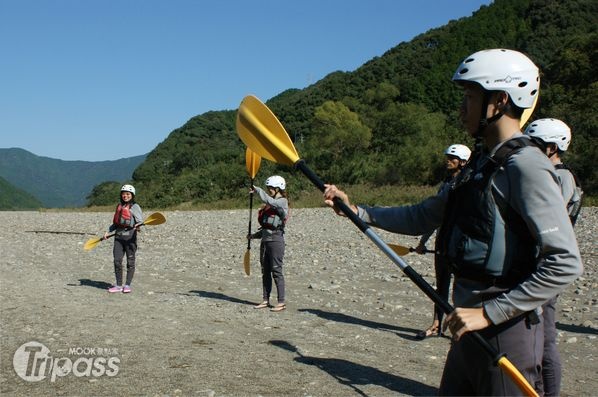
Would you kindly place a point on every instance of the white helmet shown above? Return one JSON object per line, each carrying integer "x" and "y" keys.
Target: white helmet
{"x": 551, "y": 131}
{"x": 276, "y": 181}
{"x": 128, "y": 188}
{"x": 502, "y": 70}
{"x": 460, "y": 151}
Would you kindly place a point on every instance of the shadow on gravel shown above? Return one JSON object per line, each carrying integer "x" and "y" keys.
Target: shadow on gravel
{"x": 405, "y": 333}
{"x": 578, "y": 329}
{"x": 85, "y": 282}
{"x": 218, "y": 295}
{"x": 353, "y": 374}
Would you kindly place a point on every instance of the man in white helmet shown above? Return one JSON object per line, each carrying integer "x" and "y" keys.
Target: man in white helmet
{"x": 554, "y": 137}
{"x": 456, "y": 156}
{"x": 503, "y": 228}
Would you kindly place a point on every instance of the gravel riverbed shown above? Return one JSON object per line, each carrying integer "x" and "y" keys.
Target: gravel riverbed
{"x": 189, "y": 327}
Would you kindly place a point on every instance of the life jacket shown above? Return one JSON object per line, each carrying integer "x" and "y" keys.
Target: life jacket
{"x": 482, "y": 236}
{"x": 574, "y": 205}
{"x": 271, "y": 218}
{"x": 123, "y": 217}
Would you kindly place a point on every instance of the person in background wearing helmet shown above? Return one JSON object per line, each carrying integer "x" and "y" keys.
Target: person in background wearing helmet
{"x": 554, "y": 138}
{"x": 272, "y": 218}
{"x": 126, "y": 221}
{"x": 456, "y": 157}
{"x": 504, "y": 229}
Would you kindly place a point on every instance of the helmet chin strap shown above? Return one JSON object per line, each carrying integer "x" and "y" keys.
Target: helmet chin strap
{"x": 485, "y": 121}
{"x": 552, "y": 153}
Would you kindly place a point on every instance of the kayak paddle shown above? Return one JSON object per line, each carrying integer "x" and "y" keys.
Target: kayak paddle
{"x": 263, "y": 133}
{"x": 154, "y": 219}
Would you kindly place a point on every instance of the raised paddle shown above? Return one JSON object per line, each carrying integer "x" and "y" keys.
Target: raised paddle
{"x": 154, "y": 219}
{"x": 252, "y": 162}
{"x": 263, "y": 133}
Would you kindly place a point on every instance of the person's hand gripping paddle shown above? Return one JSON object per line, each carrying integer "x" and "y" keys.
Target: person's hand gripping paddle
{"x": 154, "y": 219}
{"x": 261, "y": 131}
{"x": 252, "y": 161}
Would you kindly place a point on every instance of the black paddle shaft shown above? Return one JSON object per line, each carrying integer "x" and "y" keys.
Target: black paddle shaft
{"x": 250, "y": 208}
{"x": 408, "y": 270}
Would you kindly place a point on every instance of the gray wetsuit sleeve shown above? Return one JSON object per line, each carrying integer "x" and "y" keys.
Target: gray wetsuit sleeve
{"x": 279, "y": 203}
{"x": 413, "y": 220}
{"x": 444, "y": 189}
{"x": 567, "y": 182}
{"x": 529, "y": 183}
{"x": 137, "y": 213}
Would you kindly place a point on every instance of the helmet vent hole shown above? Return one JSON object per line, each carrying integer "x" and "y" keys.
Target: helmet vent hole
{"x": 463, "y": 71}
{"x": 469, "y": 60}
{"x": 523, "y": 84}
{"x": 534, "y": 92}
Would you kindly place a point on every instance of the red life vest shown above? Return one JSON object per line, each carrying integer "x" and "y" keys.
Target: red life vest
{"x": 123, "y": 217}
{"x": 269, "y": 218}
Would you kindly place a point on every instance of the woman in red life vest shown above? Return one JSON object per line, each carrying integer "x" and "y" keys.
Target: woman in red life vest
{"x": 126, "y": 221}
{"x": 272, "y": 218}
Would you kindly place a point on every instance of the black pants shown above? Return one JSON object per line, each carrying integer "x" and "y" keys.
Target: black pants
{"x": 551, "y": 361}
{"x": 122, "y": 247}
{"x": 271, "y": 259}
{"x": 443, "y": 281}
{"x": 470, "y": 371}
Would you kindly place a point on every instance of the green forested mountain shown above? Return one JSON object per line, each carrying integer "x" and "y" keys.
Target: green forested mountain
{"x": 388, "y": 121}
{"x": 59, "y": 183}
{"x": 12, "y": 198}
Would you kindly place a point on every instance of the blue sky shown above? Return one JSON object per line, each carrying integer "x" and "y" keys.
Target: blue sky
{"x": 106, "y": 79}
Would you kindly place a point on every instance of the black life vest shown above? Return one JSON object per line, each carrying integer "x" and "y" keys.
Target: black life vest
{"x": 481, "y": 235}
{"x": 271, "y": 218}
{"x": 574, "y": 205}
{"x": 123, "y": 217}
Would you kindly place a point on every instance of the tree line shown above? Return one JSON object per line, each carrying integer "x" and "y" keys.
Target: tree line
{"x": 387, "y": 122}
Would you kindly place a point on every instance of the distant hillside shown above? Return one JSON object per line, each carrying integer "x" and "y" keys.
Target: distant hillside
{"x": 12, "y": 198}
{"x": 59, "y": 183}
{"x": 387, "y": 122}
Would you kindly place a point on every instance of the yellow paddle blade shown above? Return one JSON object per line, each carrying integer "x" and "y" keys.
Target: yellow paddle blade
{"x": 155, "y": 219}
{"x": 261, "y": 131}
{"x": 517, "y": 377}
{"x": 252, "y": 162}
{"x": 399, "y": 249}
{"x": 91, "y": 243}
{"x": 527, "y": 113}
{"x": 247, "y": 263}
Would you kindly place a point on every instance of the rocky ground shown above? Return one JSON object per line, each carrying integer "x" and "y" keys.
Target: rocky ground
{"x": 189, "y": 327}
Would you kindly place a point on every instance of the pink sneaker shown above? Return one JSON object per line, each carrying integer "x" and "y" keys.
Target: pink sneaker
{"x": 126, "y": 289}
{"x": 115, "y": 288}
